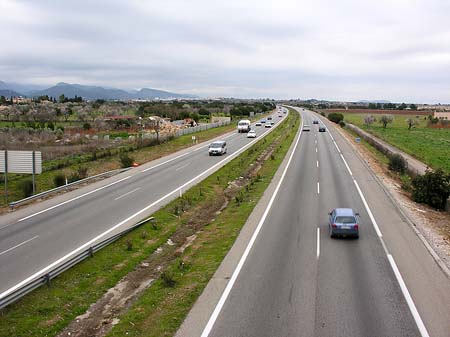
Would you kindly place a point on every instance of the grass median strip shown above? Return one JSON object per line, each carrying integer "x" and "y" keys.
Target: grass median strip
{"x": 152, "y": 277}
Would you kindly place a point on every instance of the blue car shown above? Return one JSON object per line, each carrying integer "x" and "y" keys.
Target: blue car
{"x": 343, "y": 222}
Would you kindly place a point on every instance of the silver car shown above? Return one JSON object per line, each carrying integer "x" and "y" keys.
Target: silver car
{"x": 343, "y": 222}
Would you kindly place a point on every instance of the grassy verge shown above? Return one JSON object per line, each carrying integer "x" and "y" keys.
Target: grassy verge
{"x": 430, "y": 145}
{"x": 93, "y": 166}
{"x": 161, "y": 309}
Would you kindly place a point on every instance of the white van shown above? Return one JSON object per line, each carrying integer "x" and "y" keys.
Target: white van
{"x": 244, "y": 126}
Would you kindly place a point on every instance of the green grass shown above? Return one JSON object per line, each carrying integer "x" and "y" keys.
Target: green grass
{"x": 431, "y": 146}
{"x": 159, "y": 312}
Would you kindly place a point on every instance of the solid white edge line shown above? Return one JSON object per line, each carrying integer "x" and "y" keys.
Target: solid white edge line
{"x": 366, "y": 205}
{"x": 128, "y": 193}
{"x": 412, "y": 307}
{"x": 73, "y": 199}
{"x": 318, "y": 242}
{"x": 238, "y": 268}
{"x": 20, "y": 244}
{"x": 101, "y": 235}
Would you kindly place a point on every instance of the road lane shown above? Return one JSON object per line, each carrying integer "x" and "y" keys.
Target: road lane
{"x": 61, "y": 229}
{"x": 285, "y": 290}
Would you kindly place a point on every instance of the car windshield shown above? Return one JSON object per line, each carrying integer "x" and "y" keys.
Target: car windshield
{"x": 345, "y": 219}
{"x": 216, "y": 145}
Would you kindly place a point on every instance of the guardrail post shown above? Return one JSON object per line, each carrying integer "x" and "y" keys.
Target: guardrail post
{"x": 91, "y": 252}
{"x": 47, "y": 279}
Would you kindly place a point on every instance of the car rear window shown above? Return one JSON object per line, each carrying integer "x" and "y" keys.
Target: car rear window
{"x": 345, "y": 219}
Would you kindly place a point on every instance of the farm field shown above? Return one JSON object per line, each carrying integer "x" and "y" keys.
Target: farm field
{"x": 430, "y": 145}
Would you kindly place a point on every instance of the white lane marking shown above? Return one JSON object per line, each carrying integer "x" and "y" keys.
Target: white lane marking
{"x": 182, "y": 167}
{"x": 165, "y": 162}
{"x": 318, "y": 188}
{"x": 73, "y": 199}
{"x": 226, "y": 292}
{"x": 315, "y": 141}
{"x": 101, "y": 235}
{"x": 316, "y": 149}
{"x": 415, "y": 313}
{"x": 420, "y": 325}
{"x": 318, "y": 242}
{"x": 128, "y": 193}
{"x": 317, "y": 163}
{"x": 20, "y": 244}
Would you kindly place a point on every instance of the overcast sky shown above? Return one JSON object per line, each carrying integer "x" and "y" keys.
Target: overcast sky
{"x": 339, "y": 50}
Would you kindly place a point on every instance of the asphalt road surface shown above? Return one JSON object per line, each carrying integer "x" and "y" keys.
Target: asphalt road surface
{"x": 297, "y": 281}
{"x": 47, "y": 233}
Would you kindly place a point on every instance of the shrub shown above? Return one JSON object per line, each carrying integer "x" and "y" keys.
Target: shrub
{"x": 432, "y": 188}
{"x": 342, "y": 124}
{"x": 168, "y": 279}
{"x": 125, "y": 160}
{"x": 82, "y": 172}
{"x": 26, "y": 186}
{"x": 86, "y": 126}
{"x": 385, "y": 120}
{"x": 323, "y": 114}
{"x": 397, "y": 163}
{"x": 73, "y": 177}
{"x": 335, "y": 117}
{"x": 59, "y": 180}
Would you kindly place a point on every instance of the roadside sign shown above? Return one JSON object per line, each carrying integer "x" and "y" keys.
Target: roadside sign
{"x": 358, "y": 140}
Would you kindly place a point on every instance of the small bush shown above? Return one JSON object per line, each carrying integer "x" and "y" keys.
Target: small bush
{"x": 125, "y": 160}
{"x": 397, "y": 163}
{"x": 432, "y": 188}
{"x": 26, "y": 186}
{"x": 59, "y": 180}
{"x": 342, "y": 124}
{"x": 335, "y": 117}
{"x": 86, "y": 126}
{"x": 82, "y": 172}
{"x": 168, "y": 279}
{"x": 322, "y": 114}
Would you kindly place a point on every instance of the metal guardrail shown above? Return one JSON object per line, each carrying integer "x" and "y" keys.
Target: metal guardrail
{"x": 45, "y": 279}
{"x": 60, "y": 188}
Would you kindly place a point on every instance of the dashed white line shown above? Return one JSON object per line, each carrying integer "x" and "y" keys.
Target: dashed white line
{"x": 317, "y": 163}
{"x": 182, "y": 167}
{"x": 20, "y": 244}
{"x": 73, "y": 199}
{"x": 316, "y": 149}
{"x": 128, "y": 193}
{"x": 318, "y": 188}
{"x": 318, "y": 242}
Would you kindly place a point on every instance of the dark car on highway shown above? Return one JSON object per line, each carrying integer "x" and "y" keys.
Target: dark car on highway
{"x": 322, "y": 128}
{"x": 315, "y": 121}
{"x": 343, "y": 222}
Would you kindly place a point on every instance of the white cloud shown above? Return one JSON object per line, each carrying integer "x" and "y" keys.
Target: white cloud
{"x": 348, "y": 49}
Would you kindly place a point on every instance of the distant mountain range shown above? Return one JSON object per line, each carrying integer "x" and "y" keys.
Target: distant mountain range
{"x": 86, "y": 92}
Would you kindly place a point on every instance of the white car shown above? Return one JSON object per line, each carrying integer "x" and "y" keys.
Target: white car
{"x": 258, "y": 124}
{"x": 218, "y": 147}
{"x": 268, "y": 125}
{"x": 251, "y": 134}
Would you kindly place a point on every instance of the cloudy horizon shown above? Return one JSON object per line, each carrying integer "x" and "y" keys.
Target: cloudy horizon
{"x": 397, "y": 50}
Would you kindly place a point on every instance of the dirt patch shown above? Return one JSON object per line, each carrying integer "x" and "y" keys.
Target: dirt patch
{"x": 50, "y": 322}
{"x": 105, "y": 313}
{"x": 432, "y": 224}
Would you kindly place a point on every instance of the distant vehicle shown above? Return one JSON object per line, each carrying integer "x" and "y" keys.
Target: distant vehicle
{"x": 263, "y": 121}
{"x": 269, "y": 118}
{"x": 306, "y": 127}
{"x": 344, "y": 222}
{"x": 218, "y": 147}
{"x": 315, "y": 121}
{"x": 244, "y": 126}
{"x": 251, "y": 134}
{"x": 258, "y": 124}
{"x": 268, "y": 125}
{"x": 280, "y": 115}
{"x": 322, "y": 128}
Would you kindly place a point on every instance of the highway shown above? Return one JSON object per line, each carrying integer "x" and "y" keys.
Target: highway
{"x": 290, "y": 278}
{"x": 34, "y": 238}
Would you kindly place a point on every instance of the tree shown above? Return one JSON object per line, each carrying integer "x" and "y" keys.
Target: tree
{"x": 62, "y": 98}
{"x": 385, "y": 120}
{"x": 413, "y": 107}
{"x": 411, "y": 122}
{"x": 369, "y": 120}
